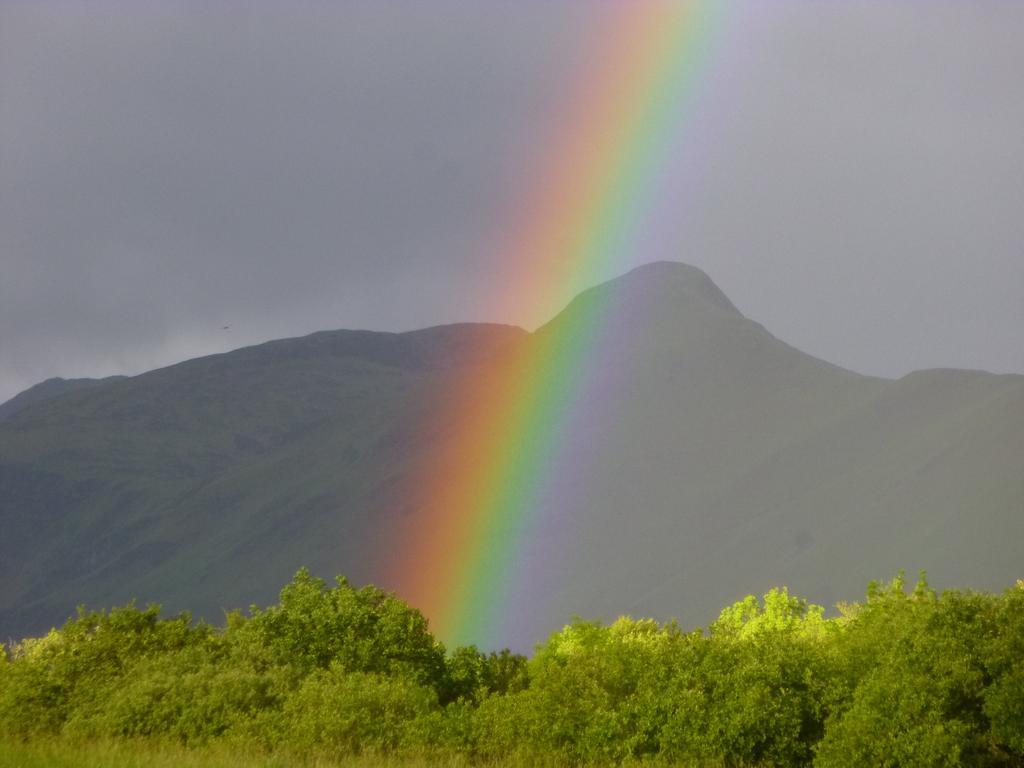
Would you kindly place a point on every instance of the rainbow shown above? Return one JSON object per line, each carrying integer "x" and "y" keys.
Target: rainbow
{"x": 477, "y": 496}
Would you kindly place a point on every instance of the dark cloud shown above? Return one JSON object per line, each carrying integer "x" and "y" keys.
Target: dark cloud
{"x": 854, "y": 179}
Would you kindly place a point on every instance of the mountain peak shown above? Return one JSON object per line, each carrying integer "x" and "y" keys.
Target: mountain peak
{"x": 665, "y": 287}
{"x": 674, "y": 279}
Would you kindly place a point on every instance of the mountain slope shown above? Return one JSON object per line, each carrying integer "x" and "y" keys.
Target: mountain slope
{"x": 45, "y": 390}
{"x": 184, "y": 484}
{"x": 710, "y": 460}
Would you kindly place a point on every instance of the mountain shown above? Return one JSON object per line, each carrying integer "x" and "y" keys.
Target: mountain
{"x": 44, "y": 390}
{"x": 735, "y": 462}
{"x": 204, "y": 485}
{"x": 714, "y": 460}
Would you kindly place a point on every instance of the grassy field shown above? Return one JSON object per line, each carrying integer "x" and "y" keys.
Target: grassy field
{"x": 61, "y": 754}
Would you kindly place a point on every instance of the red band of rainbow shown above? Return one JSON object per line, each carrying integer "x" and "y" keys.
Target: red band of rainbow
{"x": 476, "y": 497}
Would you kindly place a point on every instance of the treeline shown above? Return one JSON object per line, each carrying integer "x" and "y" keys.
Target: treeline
{"x": 904, "y": 678}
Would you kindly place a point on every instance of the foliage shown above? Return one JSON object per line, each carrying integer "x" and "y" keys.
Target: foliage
{"x": 49, "y": 678}
{"x": 363, "y": 630}
{"x": 758, "y": 695}
{"x": 351, "y": 712}
{"x": 904, "y": 678}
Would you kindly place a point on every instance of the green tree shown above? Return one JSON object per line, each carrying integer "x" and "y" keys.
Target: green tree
{"x": 920, "y": 680}
{"x": 757, "y": 696}
{"x": 356, "y": 630}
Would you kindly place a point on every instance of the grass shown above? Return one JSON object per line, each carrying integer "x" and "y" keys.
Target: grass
{"x": 140, "y": 754}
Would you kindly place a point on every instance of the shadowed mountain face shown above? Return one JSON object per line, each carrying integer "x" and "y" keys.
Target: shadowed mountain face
{"x": 47, "y": 389}
{"x": 706, "y": 459}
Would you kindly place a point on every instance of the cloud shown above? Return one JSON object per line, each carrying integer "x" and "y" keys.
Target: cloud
{"x": 166, "y": 170}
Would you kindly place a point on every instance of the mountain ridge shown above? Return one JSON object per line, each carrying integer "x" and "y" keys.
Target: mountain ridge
{"x": 717, "y": 460}
{"x": 49, "y": 388}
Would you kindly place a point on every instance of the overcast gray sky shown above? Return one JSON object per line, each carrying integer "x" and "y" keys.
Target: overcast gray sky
{"x": 852, "y": 174}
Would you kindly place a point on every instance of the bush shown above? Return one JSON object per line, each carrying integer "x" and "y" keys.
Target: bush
{"x": 921, "y": 689}
{"x": 356, "y": 630}
{"x": 353, "y": 712}
{"x": 49, "y": 678}
{"x": 755, "y": 694}
{"x": 902, "y": 679}
{"x": 187, "y": 697}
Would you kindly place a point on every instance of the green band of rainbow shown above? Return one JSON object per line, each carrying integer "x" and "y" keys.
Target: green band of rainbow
{"x": 504, "y": 422}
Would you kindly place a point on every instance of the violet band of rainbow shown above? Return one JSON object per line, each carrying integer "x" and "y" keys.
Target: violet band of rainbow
{"x": 477, "y": 496}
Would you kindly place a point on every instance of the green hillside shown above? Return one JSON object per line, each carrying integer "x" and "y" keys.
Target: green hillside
{"x": 720, "y": 461}
{"x": 216, "y": 476}
{"x": 45, "y": 390}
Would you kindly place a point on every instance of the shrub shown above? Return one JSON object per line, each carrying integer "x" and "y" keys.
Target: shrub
{"x": 352, "y": 712}
{"x": 356, "y": 630}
